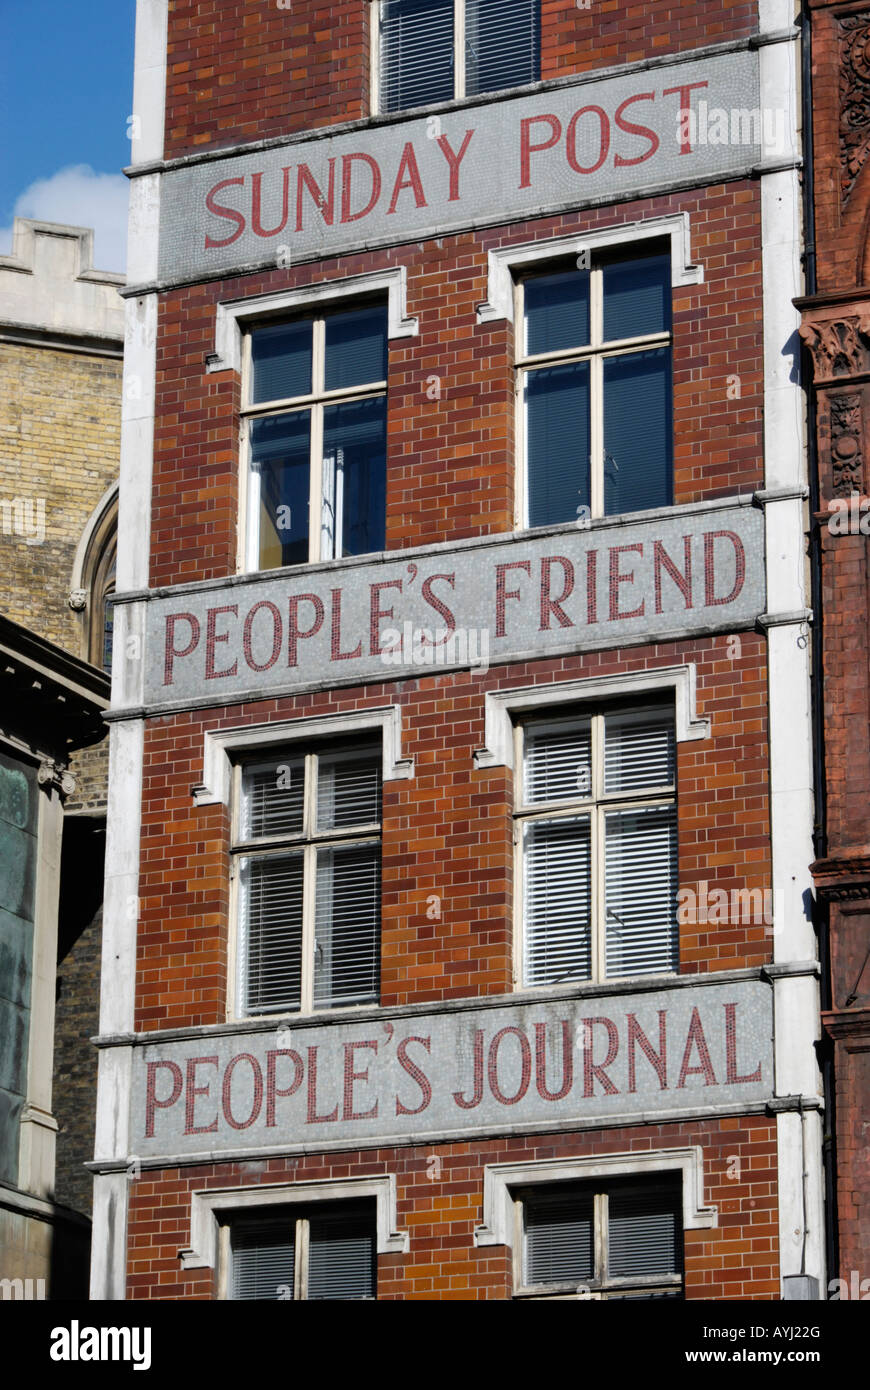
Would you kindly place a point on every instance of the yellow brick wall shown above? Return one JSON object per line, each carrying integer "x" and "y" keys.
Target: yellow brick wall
{"x": 60, "y": 440}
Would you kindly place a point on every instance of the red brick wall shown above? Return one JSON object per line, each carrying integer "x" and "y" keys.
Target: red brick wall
{"x": 308, "y": 65}
{"x": 447, "y": 831}
{"x": 450, "y": 465}
{"x": 841, "y": 212}
{"x": 736, "y": 1259}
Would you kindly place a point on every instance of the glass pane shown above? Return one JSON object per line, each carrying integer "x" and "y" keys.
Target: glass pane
{"x": 502, "y": 44}
{"x": 639, "y": 749}
{"x": 347, "y": 925}
{"x": 641, "y": 891}
{"x": 280, "y": 455}
{"x": 557, "y": 896}
{"x": 356, "y": 348}
{"x": 341, "y": 1252}
{"x": 108, "y": 631}
{"x": 348, "y": 789}
{"x": 637, "y": 297}
{"x": 263, "y": 1258}
{"x": 558, "y": 1237}
{"x": 557, "y": 426}
{"x": 271, "y": 892}
{"x": 281, "y": 359}
{"x": 645, "y": 1230}
{"x": 557, "y": 311}
{"x": 416, "y": 53}
{"x": 354, "y": 477}
{"x": 273, "y": 794}
{"x": 638, "y": 469}
{"x": 557, "y": 761}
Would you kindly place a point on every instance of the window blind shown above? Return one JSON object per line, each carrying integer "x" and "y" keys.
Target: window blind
{"x": 639, "y": 750}
{"x": 347, "y": 925}
{"x": 640, "y": 891}
{"x": 502, "y": 44}
{"x": 559, "y": 1237}
{"x": 271, "y": 889}
{"x": 342, "y": 1253}
{"x": 416, "y": 53}
{"x": 348, "y": 789}
{"x": 557, "y": 442}
{"x": 273, "y": 795}
{"x": 557, "y": 899}
{"x": 557, "y": 762}
{"x": 281, "y": 360}
{"x": 645, "y": 1230}
{"x": 638, "y": 470}
{"x": 263, "y": 1258}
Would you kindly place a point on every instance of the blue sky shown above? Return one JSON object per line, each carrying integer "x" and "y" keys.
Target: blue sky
{"x": 66, "y": 83}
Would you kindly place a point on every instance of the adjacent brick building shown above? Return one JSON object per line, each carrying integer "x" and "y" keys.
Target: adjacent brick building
{"x": 461, "y": 803}
{"x": 61, "y": 342}
{"x": 835, "y": 329}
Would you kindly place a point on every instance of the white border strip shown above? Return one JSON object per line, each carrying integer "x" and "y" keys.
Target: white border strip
{"x": 499, "y": 1178}
{"x": 503, "y": 263}
{"x": 501, "y": 705}
{"x": 205, "y": 1208}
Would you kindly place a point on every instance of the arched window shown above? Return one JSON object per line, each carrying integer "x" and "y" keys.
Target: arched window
{"x": 93, "y": 590}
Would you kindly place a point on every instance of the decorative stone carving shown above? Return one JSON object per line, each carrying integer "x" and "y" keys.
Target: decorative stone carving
{"x": 840, "y": 347}
{"x": 78, "y": 600}
{"x": 847, "y": 461}
{"x": 854, "y": 33}
{"x": 56, "y": 775}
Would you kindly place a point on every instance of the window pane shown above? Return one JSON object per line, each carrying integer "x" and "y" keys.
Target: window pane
{"x": 556, "y": 311}
{"x": 637, "y": 297}
{"x": 640, "y": 891}
{"x": 271, "y": 890}
{"x": 557, "y": 901}
{"x": 502, "y": 44}
{"x": 558, "y": 1237}
{"x": 557, "y": 761}
{"x": 354, "y": 477}
{"x": 356, "y": 348}
{"x": 638, "y": 749}
{"x": 263, "y": 1258}
{"x": 348, "y": 790}
{"x": 108, "y": 631}
{"x": 347, "y": 925}
{"x": 272, "y": 797}
{"x": 281, "y": 459}
{"x": 645, "y": 1230}
{"x": 281, "y": 358}
{"x": 416, "y": 53}
{"x": 341, "y": 1253}
{"x": 638, "y": 471}
{"x": 557, "y": 425}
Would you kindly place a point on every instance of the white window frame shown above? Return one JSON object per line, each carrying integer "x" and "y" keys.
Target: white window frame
{"x": 458, "y": 59}
{"x": 209, "y": 1208}
{"x": 222, "y": 748}
{"x": 594, "y": 352}
{"x": 314, "y": 403}
{"x": 601, "y": 1287}
{"x": 596, "y": 806}
{"x": 308, "y": 842}
{"x": 502, "y": 1180}
{"x": 234, "y": 320}
{"x": 301, "y": 1244}
{"x": 503, "y": 707}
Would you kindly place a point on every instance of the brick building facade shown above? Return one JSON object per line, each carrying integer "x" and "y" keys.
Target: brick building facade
{"x": 834, "y": 328}
{"x": 461, "y": 789}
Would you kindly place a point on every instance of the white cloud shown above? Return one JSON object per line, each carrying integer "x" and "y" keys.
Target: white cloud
{"x": 80, "y": 197}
